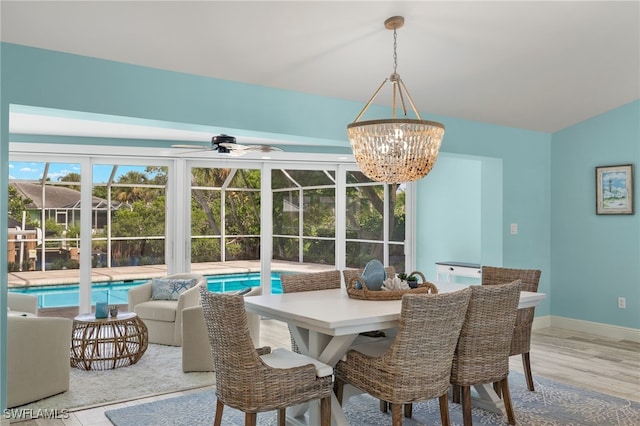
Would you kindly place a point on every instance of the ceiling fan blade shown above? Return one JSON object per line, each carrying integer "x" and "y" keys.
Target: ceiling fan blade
{"x": 236, "y": 152}
{"x": 204, "y": 148}
{"x": 264, "y": 148}
{"x": 232, "y": 146}
{"x": 255, "y": 148}
{"x": 226, "y": 144}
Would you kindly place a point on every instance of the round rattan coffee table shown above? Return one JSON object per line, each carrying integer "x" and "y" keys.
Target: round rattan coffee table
{"x": 107, "y": 343}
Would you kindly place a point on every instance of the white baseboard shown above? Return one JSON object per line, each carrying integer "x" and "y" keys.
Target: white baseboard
{"x": 599, "y": 329}
{"x": 542, "y": 322}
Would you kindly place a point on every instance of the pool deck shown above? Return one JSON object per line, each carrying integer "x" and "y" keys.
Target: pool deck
{"x": 70, "y": 276}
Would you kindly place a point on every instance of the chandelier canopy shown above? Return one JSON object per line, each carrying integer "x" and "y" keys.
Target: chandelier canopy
{"x": 395, "y": 150}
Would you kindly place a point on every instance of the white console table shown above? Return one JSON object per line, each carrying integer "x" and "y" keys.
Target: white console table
{"x": 461, "y": 269}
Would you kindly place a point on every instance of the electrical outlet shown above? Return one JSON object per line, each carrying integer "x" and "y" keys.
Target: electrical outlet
{"x": 622, "y": 303}
{"x": 514, "y": 228}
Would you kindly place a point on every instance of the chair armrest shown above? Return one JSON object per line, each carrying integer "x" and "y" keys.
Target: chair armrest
{"x": 189, "y": 298}
{"x": 139, "y": 294}
{"x": 253, "y": 319}
{"x": 22, "y": 302}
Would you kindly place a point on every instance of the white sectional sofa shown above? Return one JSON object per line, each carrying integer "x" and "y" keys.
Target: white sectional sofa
{"x": 37, "y": 352}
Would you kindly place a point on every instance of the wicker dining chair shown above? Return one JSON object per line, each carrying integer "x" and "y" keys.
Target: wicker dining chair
{"x": 417, "y": 364}
{"x": 521, "y": 343}
{"x": 311, "y": 281}
{"x": 256, "y": 380}
{"x": 482, "y": 354}
{"x": 351, "y": 274}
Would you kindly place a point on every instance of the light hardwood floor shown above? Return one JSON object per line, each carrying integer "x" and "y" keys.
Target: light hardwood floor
{"x": 583, "y": 360}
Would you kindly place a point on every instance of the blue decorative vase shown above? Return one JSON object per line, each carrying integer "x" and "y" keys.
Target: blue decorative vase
{"x": 102, "y": 310}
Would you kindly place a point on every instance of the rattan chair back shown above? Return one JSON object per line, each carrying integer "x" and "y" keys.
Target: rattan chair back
{"x": 530, "y": 278}
{"x": 294, "y": 283}
{"x": 417, "y": 365}
{"x": 312, "y": 281}
{"x": 243, "y": 380}
{"x": 482, "y": 354}
{"x": 521, "y": 341}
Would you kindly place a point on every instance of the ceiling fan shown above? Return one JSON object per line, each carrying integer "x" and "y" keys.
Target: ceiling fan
{"x": 225, "y": 144}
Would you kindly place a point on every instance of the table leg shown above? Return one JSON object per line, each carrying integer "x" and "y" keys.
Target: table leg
{"x": 488, "y": 399}
{"x": 338, "y": 417}
{"x": 328, "y": 349}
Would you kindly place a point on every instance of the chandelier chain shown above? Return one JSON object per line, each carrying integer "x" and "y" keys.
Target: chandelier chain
{"x": 395, "y": 53}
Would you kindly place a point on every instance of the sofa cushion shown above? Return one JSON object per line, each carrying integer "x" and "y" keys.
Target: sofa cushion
{"x": 170, "y": 288}
{"x": 158, "y": 310}
{"x": 283, "y": 358}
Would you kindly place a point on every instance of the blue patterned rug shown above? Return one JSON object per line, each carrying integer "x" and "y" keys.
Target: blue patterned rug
{"x": 551, "y": 404}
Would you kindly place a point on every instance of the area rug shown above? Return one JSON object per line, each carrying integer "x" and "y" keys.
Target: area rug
{"x": 158, "y": 371}
{"x": 552, "y": 404}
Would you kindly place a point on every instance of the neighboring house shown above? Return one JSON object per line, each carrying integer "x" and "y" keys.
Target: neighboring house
{"x": 57, "y": 203}
{"x": 61, "y": 204}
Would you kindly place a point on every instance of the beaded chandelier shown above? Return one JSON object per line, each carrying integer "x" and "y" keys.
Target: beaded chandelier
{"x": 395, "y": 150}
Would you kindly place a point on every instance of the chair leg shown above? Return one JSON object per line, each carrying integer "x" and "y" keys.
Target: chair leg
{"x": 408, "y": 410}
{"x": 526, "y": 363}
{"x": 250, "y": 419}
{"x": 455, "y": 394}
{"x": 384, "y": 406}
{"x": 325, "y": 411}
{"x": 282, "y": 416}
{"x": 338, "y": 388}
{"x": 506, "y": 397}
{"x": 444, "y": 410}
{"x": 466, "y": 406}
{"x": 496, "y": 388}
{"x": 217, "y": 421}
{"x": 396, "y": 414}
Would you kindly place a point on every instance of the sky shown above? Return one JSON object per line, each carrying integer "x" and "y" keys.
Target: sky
{"x": 32, "y": 171}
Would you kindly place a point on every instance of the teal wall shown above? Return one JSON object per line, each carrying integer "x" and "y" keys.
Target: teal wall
{"x": 595, "y": 258}
{"x": 449, "y": 209}
{"x": 459, "y": 213}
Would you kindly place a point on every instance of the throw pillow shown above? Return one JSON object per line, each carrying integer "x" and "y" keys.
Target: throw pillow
{"x": 170, "y": 288}
{"x": 373, "y": 275}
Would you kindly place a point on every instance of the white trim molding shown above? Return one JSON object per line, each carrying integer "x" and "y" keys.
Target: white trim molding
{"x": 599, "y": 329}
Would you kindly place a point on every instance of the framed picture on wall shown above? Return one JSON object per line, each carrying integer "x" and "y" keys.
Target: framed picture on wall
{"x": 614, "y": 189}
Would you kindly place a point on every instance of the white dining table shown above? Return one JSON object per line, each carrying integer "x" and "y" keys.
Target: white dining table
{"x": 325, "y": 323}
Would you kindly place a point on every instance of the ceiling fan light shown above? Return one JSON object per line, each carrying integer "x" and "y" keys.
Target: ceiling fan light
{"x": 218, "y": 143}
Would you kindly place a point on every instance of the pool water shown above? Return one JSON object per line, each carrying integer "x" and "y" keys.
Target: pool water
{"x": 115, "y": 292}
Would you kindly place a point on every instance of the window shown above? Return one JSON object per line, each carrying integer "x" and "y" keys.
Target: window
{"x": 143, "y": 205}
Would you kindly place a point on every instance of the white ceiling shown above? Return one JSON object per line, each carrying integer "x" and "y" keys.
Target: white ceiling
{"x": 534, "y": 65}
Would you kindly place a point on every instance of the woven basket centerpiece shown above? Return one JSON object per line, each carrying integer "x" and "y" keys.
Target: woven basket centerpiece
{"x": 393, "y": 288}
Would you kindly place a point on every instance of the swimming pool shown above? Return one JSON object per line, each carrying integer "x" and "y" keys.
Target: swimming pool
{"x": 115, "y": 292}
